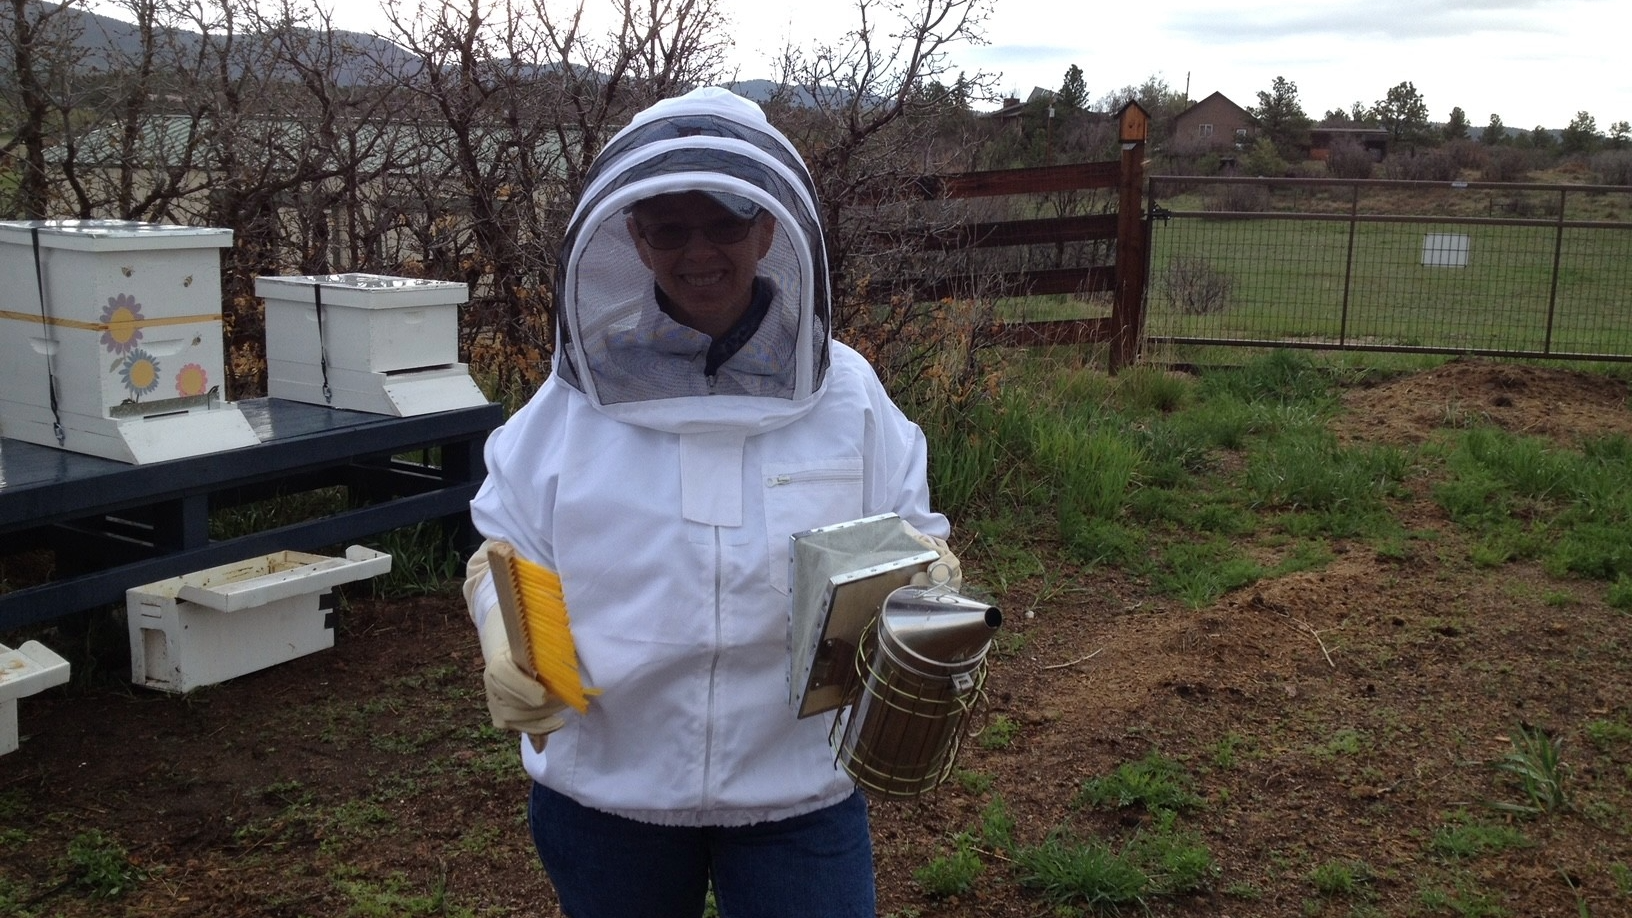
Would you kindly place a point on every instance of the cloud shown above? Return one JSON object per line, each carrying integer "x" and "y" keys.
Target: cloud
{"x": 1394, "y": 20}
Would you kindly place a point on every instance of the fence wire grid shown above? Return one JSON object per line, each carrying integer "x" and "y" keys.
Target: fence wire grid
{"x": 1492, "y": 269}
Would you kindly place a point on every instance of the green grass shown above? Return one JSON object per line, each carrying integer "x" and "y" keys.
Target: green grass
{"x": 1344, "y": 879}
{"x": 949, "y": 875}
{"x": 1294, "y": 279}
{"x": 101, "y": 867}
{"x": 1071, "y": 870}
{"x": 396, "y": 896}
{"x": 999, "y": 732}
{"x": 1202, "y": 485}
{"x": 1159, "y": 861}
{"x": 1154, "y": 782}
{"x": 1464, "y": 838}
{"x": 1538, "y": 768}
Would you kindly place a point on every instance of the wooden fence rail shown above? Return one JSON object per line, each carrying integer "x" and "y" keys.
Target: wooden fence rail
{"x": 1127, "y": 227}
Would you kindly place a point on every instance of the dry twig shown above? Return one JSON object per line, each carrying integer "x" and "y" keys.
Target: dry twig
{"x": 1074, "y": 662}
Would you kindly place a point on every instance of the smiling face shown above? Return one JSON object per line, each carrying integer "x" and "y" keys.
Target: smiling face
{"x": 703, "y": 256}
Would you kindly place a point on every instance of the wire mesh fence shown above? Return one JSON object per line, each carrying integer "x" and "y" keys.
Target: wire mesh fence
{"x": 1469, "y": 268}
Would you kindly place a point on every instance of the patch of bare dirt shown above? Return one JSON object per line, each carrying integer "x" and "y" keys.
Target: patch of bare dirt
{"x": 1565, "y": 405}
{"x": 1344, "y": 715}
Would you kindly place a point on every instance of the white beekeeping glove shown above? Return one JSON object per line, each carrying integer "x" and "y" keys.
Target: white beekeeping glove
{"x": 515, "y": 700}
{"x": 945, "y": 571}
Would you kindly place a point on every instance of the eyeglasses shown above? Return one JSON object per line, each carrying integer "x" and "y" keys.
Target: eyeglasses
{"x": 669, "y": 236}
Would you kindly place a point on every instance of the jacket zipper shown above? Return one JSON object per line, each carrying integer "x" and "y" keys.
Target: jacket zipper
{"x": 713, "y": 676}
{"x": 812, "y": 475}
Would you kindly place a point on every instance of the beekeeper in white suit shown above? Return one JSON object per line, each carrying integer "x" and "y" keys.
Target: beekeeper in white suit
{"x": 697, "y": 415}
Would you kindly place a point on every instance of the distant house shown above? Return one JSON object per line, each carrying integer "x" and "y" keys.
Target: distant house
{"x": 1321, "y": 139}
{"x": 1215, "y": 122}
{"x": 1012, "y": 110}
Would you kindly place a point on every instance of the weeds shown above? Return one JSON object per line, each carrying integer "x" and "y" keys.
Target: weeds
{"x": 101, "y": 866}
{"x": 1065, "y": 870}
{"x": 997, "y": 825}
{"x": 1071, "y": 871}
{"x": 1464, "y": 838}
{"x": 1345, "y": 879}
{"x": 1230, "y": 748}
{"x": 1155, "y": 782}
{"x": 1622, "y": 875}
{"x": 1535, "y": 762}
{"x": 394, "y": 897}
{"x": 950, "y": 875}
{"x": 1607, "y": 733}
{"x": 422, "y": 561}
{"x": 999, "y": 732}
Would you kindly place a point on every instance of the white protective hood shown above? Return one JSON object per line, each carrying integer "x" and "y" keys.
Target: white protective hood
{"x": 706, "y": 140}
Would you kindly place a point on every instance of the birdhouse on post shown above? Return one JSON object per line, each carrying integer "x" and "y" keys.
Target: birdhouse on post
{"x": 1132, "y": 123}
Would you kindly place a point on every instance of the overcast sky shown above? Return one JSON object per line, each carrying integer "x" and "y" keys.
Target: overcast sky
{"x": 1533, "y": 62}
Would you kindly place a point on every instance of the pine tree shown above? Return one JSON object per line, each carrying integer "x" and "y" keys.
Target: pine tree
{"x": 1073, "y": 91}
{"x": 1281, "y": 117}
{"x": 1457, "y": 127}
{"x": 1403, "y": 112}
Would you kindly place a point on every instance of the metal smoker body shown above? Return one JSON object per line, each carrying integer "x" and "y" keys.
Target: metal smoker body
{"x": 921, "y": 671}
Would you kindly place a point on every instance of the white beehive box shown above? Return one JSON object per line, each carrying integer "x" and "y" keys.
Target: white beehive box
{"x": 386, "y": 345}
{"x": 216, "y": 624}
{"x": 123, "y": 320}
{"x": 28, "y": 670}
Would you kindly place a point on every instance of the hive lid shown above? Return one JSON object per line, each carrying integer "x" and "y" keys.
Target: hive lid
{"x": 29, "y": 669}
{"x": 362, "y": 291}
{"x": 255, "y": 582}
{"x": 113, "y": 235}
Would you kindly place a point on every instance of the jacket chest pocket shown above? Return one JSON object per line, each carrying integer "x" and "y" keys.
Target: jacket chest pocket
{"x": 805, "y": 495}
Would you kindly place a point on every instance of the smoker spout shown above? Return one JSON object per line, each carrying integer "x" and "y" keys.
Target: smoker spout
{"x": 938, "y": 627}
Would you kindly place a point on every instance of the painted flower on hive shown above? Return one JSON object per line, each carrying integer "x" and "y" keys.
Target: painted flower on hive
{"x": 122, "y": 318}
{"x": 192, "y": 379}
{"x": 140, "y": 372}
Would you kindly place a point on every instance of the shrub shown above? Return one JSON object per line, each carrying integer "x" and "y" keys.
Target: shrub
{"x": 1508, "y": 164}
{"x": 1194, "y": 286}
{"x": 1349, "y": 159}
{"x": 1613, "y": 167}
{"x": 1263, "y": 159}
{"x": 1466, "y": 154}
{"x": 1248, "y": 198}
{"x": 1434, "y": 166}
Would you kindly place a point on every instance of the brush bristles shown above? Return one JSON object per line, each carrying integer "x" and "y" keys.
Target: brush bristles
{"x": 541, "y": 613}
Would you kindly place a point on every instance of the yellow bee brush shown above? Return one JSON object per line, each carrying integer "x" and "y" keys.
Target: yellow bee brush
{"x": 535, "y": 619}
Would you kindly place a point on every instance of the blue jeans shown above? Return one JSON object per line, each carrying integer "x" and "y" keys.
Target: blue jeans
{"x": 819, "y": 865}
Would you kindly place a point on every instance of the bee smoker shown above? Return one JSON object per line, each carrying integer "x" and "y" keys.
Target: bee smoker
{"x": 921, "y": 672}
{"x": 902, "y": 665}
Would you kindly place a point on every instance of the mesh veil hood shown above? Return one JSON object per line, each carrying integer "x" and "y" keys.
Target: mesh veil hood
{"x": 616, "y": 347}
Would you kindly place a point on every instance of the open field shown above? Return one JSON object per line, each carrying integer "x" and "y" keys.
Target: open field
{"x": 1314, "y": 280}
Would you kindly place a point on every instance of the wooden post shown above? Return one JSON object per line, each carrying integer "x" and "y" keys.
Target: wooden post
{"x": 1128, "y": 313}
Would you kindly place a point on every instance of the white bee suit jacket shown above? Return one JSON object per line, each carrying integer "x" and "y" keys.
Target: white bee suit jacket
{"x": 667, "y": 513}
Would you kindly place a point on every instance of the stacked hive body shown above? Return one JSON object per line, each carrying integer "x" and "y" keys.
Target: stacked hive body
{"x": 366, "y": 342}
{"x": 111, "y": 339}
